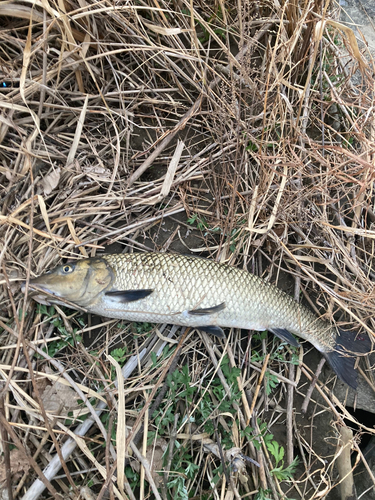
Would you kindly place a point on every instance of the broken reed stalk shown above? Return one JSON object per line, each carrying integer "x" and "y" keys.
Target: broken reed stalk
{"x": 344, "y": 465}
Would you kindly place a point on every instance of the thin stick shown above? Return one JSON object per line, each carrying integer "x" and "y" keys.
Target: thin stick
{"x": 6, "y": 451}
{"x": 259, "y": 384}
{"x": 191, "y": 112}
{"x": 306, "y": 401}
{"x": 289, "y": 417}
{"x": 172, "y": 440}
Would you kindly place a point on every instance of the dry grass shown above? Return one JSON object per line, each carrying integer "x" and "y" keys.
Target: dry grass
{"x": 275, "y": 170}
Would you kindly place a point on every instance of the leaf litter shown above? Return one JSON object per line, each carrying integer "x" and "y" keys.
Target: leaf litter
{"x": 234, "y": 131}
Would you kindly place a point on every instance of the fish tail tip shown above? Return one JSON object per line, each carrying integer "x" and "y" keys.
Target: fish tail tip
{"x": 342, "y": 359}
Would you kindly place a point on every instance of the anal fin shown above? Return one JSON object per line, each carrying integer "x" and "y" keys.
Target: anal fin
{"x": 285, "y": 335}
{"x": 125, "y": 296}
{"x": 212, "y": 330}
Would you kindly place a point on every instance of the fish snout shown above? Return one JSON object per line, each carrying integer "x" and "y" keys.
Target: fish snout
{"x": 36, "y": 289}
{"x": 39, "y": 293}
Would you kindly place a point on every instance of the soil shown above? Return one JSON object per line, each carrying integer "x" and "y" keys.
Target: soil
{"x": 360, "y": 16}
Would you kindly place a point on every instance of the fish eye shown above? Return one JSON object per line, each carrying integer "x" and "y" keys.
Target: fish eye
{"x": 66, "y": 269}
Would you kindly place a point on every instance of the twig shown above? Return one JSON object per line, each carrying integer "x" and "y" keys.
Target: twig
{"x": 191, "y": 112}
{"x": 107, "y": 454}
{"x": 6, "y": 452}
{"x": 159, "y": 398}
{"x": 157, "y": 385}
{"x": 164, "y": 143}
{"x": 306, "y": 401}
{"x": 289, "y": 417}
{"x": 146, "y": 467}
{"x": 259, "y": 384}
{"x": 47, "y": 423}
{"x": 172, "y": 440}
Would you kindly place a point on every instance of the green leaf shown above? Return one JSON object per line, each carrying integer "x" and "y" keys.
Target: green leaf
{"x": 154, "y": 359}
{"x": 285, "y": 474}
{"x": 191, "y": 470}
{"x": 271, "y": 382}
{"x": 263, "y": 495}
{"x": 119, "y": 354}
{"x": 192, "y": 219}
{"x": 276, "y": 450}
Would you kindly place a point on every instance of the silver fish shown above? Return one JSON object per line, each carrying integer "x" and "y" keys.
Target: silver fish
{"x": 196, "y": 292}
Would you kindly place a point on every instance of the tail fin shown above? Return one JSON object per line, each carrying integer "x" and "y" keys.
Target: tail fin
{"x": 343, "y": 357}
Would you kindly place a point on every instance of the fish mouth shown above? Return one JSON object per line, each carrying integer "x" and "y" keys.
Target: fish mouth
{"x": 41, "y": 294}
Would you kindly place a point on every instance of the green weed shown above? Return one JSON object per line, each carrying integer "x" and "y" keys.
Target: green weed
{"x": 132, "y": 477}
{"x": 119, "y": 355}
{"x": 273, "y": 447}
{"x": 179, "y": 384}
{"x": 263, "y": 495}
{"x": 200, "y": 221}
{"x": 214, "y": 401}
{"x": 142, "y": 328}
{"x": 285, "y": 474}
{"x": 67, "y": 338}
{"x": 271, "y": 382}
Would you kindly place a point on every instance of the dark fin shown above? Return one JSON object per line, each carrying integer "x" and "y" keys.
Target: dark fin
{"x": 212, "y": 330}
{"x": 285, "y": 335}
{"x": 343, "y": 357}
{"x": 208, "y": 310}
{"x": 130, "y": 295}
{"x": 353, "y": 342}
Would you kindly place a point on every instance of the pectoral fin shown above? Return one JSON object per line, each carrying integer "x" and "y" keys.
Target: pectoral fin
{"x": 212, "y": 330}
{"x": 125, "y": 296}
{"x": 208, "y": 310}
{"x": 285, "y": 335}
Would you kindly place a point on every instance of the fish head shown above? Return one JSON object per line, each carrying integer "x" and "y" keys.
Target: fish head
{"x": 81, "y": 283}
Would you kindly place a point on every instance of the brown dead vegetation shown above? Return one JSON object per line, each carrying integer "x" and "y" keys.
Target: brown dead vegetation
{"x": 243, "y": 131}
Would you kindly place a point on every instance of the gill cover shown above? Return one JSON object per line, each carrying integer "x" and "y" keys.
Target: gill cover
{"x": 79, "y": 282}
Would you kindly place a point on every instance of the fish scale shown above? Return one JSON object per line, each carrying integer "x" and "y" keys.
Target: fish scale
{"x": 181, "y": 283}
{"x": 195, "y": 292}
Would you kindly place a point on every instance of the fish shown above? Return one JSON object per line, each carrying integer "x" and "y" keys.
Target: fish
{"x": 195, "y": 292}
